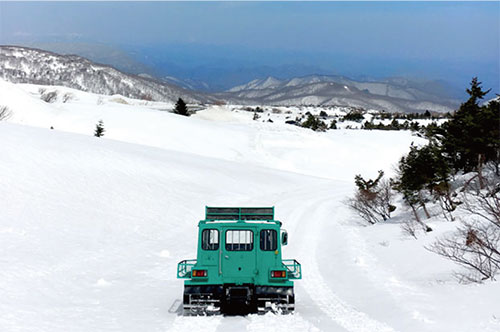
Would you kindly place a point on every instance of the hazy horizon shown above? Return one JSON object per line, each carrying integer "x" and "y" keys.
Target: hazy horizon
{"x": 240, "y": 41}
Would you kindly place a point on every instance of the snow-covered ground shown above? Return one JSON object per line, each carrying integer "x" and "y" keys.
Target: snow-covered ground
{"x": 91, "y": 229}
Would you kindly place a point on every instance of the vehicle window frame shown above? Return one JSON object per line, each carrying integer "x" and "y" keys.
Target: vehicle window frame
{"x": 207, "y": 245}
{"x": 264, "y": 238}
{"x": 239, "y": 246}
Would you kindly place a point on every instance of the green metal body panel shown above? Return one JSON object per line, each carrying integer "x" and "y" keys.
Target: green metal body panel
{"x": 239, "y": 267}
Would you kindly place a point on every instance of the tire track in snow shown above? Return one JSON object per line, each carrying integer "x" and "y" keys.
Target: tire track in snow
{"x": 278, "y": 323}
{"x": 195, "y": 323}
{"x": 346, "y": 316}
{"x": 339, "y": 311}
{"x": 397, "y": 289}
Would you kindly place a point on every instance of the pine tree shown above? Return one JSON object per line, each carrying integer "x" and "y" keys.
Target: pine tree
{"x": 472, "y": 136}
{"x": 181, "y": 108}
{"x": 476, "y": 91}
{"x": 489, "y": 121}
{"x": 99, "y": 129}
{"x": 423, "y": 168}
{"x": 367, "y": 185}
{"x": 333, "y": 124}
{"x": 394, "y": 124}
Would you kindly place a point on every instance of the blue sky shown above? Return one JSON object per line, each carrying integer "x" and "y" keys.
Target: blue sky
{"x": 449, "y": 40}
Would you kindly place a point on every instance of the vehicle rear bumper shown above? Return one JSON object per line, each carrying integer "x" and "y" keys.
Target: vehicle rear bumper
{"x": 238, "y": 299}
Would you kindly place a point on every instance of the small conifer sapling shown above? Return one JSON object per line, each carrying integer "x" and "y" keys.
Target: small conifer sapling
{"x": 99, "y": 129}
{"x": 181, "y": 108}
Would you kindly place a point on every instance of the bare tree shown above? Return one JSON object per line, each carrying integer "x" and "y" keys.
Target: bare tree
{"x": 443, "y": 193}
{"x": 5, "y": 113}
{"x": 485, "y": 203}
{"x": 410, "y": 227}
{"x": 476, "y": 245}
{"x": 373, "y": 199}
{"x": 361, "y": 205}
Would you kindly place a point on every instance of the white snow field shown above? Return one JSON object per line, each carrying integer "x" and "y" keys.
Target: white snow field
{"x": 92, "y": 229}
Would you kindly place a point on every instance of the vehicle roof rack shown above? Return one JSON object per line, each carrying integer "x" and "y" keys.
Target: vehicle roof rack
{"x": 239, "y": 213}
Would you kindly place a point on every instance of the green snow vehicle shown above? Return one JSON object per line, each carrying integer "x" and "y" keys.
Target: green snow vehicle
{"x": 239, "y": 268}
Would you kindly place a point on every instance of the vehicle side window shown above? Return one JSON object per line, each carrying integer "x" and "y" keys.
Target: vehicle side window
{"x": 210, "y": 239}
{"x": 239, "y": 240}
{"x": 268, "y": 240}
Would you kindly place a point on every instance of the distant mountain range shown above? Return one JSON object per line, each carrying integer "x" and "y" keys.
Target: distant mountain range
{"x": 394, "y": 95}
{"x": 28, "y": 65}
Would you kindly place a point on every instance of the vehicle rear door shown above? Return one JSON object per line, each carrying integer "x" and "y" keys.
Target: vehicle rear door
{"x": 239, "y": 254}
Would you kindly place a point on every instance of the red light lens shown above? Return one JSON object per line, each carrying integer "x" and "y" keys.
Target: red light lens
{"x": 278, "y": 274}
{"x": 199, "y": 273}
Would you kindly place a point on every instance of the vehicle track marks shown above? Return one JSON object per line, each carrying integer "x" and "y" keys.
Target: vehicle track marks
{"x": 277, "y": 323}
{"x": 339, "y": 311}
{"x": 195, "y": 323}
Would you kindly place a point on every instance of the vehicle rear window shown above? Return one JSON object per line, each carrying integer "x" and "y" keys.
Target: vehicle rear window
{"x": 239, "y": 240}
{"x": 268, "y": 240}
{"x": 210, "y": 239}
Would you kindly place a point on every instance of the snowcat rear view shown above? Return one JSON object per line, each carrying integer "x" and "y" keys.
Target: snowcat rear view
{"x": 239, "y": 269}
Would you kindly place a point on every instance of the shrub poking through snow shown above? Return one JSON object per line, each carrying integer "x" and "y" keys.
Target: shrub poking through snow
{"x": 373, "y": 199}
{"x": 356, "y": 116}
{"x": 5, "y": 113}
{"x": 67, "y": 97}
{"x": 314, "y": 123}
{"x": 99, "y": 129}
{"x": 49, "y": 97}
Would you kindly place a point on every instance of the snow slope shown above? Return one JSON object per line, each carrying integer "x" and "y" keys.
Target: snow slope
{"x": 91, "y": 229}
{"x": 275, "y": 145}
{"x": 30, "y": 65}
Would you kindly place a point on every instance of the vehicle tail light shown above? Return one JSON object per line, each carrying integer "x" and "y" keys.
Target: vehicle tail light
{"x": 199, "y": 273}
{"x": 278, "y": 274}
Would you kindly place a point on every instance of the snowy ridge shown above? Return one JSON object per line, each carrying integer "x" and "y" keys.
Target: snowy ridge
{"x": 393, "y": 95}
{"x": 258, "y": 84}
{"x": 26, "y": 65}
